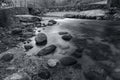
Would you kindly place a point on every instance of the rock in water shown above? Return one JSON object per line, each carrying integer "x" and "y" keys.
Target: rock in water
{"x": 68, "y": 61}
{"x": 63, "y": 33}
{"x": 28, "y": 47}
{"x": 44, "y": 74}
{"x": 52, "y": 62}
{"x": 67, "y": 37}
{"x": 18, "y": 76}
{"x": 41, "y": 39}
{"x": 7, "y": 57}
{"x": 47, "y": 50}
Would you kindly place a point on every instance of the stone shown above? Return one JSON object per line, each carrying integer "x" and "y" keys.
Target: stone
{"x": 52, "y": 62}
{"x": 44, "y": 74}
{"x": 67, "y": 37}
{"x": 28, "y": 47}
{"x": 47, "y": 50}
{"x": 16, "y": 31}
{"x": 68, "y": 61}
{"x": 18, "y": 76}
{"x": 41, "y": 39}
{"x": 52, "y": 21}
{"x": 63, "y": 33}
{"x": 7, "y": 57}
{"x": 94, "y": 72}
{"x": 78, "y": 53}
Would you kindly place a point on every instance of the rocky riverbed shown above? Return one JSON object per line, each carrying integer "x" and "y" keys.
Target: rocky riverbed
{"x": 66, "y": 49}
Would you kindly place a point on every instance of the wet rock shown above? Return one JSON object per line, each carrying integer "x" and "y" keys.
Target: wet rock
{"x": 67, "y": 37}
{"x": 44, "y": 74}
{"x": 52, "y": 21}
{"x": 18, "y": 76}
{"x": 7, "y": 57}
{"x": 95, "y": 73}
{"x": 16, "y": 31}
{"x": 78, "y": 53}
{"x": 63, "y": 33}
{"x": 52, "y": 62}
{"x": 47, "y": 50}
{"x": 68, "y": 61}
{"x": 28, "y": 47}
{"x": 41, "y": 39}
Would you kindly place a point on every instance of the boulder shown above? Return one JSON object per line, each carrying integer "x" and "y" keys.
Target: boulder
{"x": 41, "y": 39}
{"x": 47, "y": 50}
{"x": 7, "y": 57}
{"x": 68, "y": 61}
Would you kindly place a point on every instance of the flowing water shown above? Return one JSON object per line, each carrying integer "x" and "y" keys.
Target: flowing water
{"x": 76, "y": 27}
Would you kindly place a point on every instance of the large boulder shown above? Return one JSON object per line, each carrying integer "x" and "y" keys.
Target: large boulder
{"x": 47, "y": 50}
{"x": 41, "y": 39}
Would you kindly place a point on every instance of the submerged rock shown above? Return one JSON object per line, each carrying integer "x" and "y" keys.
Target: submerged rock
{"x": 44, "y": 74}
{"x": 51, "y": 22}
{"x": 47, "y": 50}
{"x": 41, "y": 39}
{"x": 68, "y": 61}
{"x": 18, "y": 76}
{"x": 67, "y": 37}
{"x": 28, "y": 47}
{"x": 7, "y": 57}
{"x": 63, "y": 33}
